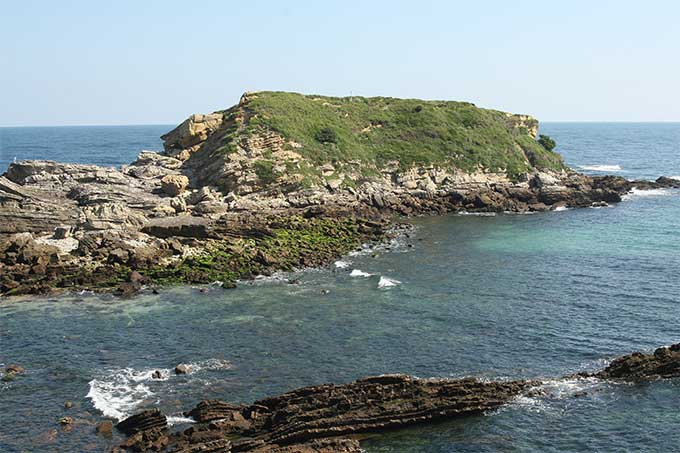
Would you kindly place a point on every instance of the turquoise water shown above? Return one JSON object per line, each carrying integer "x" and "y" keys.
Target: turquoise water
{"x": 536, "y": 296}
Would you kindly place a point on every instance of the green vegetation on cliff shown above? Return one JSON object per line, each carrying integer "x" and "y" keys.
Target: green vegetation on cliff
{"x": 414, "y": 132}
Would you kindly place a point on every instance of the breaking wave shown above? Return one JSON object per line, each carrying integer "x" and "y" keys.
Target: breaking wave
{"x": 601, "y": 167}
{"x": 555, "y": 390}
{"x": 122, "y": 391}
{"x": 359, "y": 273}
{"x": 638, "y": 193}
{"x": 477, "y": 214}
{"x": 118, "y": 393}
{"x": 179, "y": 420}
{"x": 387, "y": 282}
{"x": 341, "y": 264}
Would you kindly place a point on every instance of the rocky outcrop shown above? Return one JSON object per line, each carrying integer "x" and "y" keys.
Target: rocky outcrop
{"x": 327, "y": 418}
{"x": 190, "y": 135}
{"x": 312, "y": 418}
{"x": 174, "y": 185}
{"x": 147, "y": 420}
{"x": 70, "y": 226}
{"x": 664, "y": 362}
{"x": 527, "y": 122}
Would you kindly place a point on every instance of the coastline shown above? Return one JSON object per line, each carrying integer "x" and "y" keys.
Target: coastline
{"x": 197, "y": 214}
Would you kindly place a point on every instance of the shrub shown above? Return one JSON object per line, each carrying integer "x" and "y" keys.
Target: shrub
{"x": 326, "y": 135}
{"x": 546, "y": 142}
{"x": 264, "y": 169}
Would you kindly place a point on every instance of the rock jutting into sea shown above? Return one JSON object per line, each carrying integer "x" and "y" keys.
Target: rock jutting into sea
{"x": 327, "y": 418}
{"x": 254, "y": 189}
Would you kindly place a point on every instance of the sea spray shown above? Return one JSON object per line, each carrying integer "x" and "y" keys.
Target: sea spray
{"x": 387, "y": 282}
{"x": 638, "y": 193}
{"x": 120, "y": 392}
{"x": 359, "y": 273}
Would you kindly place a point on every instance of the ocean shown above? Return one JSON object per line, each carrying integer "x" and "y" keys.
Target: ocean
{"x": 497, "y": 297}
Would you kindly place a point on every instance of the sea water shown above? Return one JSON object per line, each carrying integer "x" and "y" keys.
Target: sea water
{"x": 504, "y": 297}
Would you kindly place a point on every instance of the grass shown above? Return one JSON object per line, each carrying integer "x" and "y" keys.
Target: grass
{"x": 414, "y": 132}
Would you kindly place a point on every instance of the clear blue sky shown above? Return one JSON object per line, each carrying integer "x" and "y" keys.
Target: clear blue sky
{"x": 150, "y": 62}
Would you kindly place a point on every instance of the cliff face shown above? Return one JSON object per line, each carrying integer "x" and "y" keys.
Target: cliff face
{"x": 287, "y": 141}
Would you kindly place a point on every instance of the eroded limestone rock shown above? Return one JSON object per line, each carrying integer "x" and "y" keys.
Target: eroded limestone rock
{"x": 174, "y": 185}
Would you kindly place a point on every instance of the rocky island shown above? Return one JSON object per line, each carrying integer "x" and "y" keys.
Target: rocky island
{"x": 278, "y": 181}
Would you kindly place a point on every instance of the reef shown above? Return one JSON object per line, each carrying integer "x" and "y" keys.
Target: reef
{"x": 331, "y": 418}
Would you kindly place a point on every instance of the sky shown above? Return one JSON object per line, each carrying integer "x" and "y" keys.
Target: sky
{"x": 157, "y": 62}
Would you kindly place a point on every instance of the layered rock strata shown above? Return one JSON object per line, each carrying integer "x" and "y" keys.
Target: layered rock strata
{"x": 327, "y": 418}
{"x": 299, "y": 420}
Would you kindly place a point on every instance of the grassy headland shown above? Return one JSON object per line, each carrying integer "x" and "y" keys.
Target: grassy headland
{"x": 413, "y": 132}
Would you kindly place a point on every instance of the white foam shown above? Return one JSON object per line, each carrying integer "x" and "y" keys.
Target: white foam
{"x": 387, "y": 282}
{"x": 561, "y": 208}
{"x": 398, "y": 244}
{"x": 179, "y": 420}
{"x": 556, "y": 389}
{"x": 341, "y": 264}
{"x": 638, "y": 193}
{"x": 568, "y": 387}
{"x": 477, "y": 214}
{"x": 119, "y": 393}
{"x": 519, "y": 213}
{"x": 209, "y": 364}
{"x": 359, "y": 273}
{"x": 675, "y": 177}
{"x": 276, "y": 277}
{"x": 601, "y": 167}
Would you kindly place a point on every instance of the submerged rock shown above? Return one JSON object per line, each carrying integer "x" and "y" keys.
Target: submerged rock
{"x": 182, "y": 369}
{"x": 105, "y": 428}
{"x": 14, "y": 369}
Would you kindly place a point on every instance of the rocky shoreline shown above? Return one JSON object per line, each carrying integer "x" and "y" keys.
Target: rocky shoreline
{"x": 227, "y": 200}
{"x": 79, "y": 227}
{"x": 329, "y": 418}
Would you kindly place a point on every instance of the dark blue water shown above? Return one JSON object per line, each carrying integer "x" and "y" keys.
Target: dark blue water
{"x": 536, "y": 296}
{"x": 99, "y": 145}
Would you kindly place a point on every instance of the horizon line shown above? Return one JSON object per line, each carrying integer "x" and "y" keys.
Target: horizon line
{"x": 170, "y": 124}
